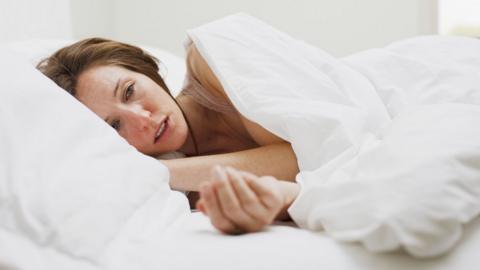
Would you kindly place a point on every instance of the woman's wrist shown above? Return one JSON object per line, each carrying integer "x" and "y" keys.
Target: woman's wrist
{"x": 290, "y": 192}
{"x": 173, "y": 179}
{"x": 180, "y": 177}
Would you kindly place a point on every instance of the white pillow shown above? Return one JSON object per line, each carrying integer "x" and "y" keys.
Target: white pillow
{"x": 172, "y": 67}
{"x": 68, "y": 182}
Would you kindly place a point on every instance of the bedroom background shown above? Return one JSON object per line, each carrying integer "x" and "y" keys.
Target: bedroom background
{"x": 340, "y": 27}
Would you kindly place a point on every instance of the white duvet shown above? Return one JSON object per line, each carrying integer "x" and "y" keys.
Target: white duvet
{"x": 387, "y": 140}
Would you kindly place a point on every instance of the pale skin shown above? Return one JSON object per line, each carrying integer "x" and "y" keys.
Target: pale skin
{"x": 235, "y": 200}
{"x": 238, "y": 201}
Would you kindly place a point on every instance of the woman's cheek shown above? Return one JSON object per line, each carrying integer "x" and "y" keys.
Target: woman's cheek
{"x": 133, "y": 139}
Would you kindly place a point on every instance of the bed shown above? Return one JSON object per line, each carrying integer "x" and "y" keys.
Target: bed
{"x": 75, "y": 195}
{"x": 195, "y": 244}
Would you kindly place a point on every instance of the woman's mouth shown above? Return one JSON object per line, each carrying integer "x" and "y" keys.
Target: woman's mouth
{"x": 161, "y": 130}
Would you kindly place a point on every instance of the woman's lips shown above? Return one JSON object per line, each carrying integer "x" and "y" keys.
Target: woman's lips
{"x": 162, "y": 129}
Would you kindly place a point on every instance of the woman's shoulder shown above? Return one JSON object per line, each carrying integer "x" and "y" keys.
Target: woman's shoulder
{"x": 204, "y": 85}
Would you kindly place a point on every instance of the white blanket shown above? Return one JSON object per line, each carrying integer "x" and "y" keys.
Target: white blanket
{"x": 387, "y": 140}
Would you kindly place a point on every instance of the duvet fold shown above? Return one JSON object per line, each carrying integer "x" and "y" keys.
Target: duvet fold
{"x": 386, "y": 139}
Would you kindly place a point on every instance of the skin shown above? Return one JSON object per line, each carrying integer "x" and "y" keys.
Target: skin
{"x": 137, "y": 109}
{"x": 238, "y": 201}
{"x": 234, "y": 199}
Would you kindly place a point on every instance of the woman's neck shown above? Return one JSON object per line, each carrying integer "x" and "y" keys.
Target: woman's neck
{"x": 202, "y": 126}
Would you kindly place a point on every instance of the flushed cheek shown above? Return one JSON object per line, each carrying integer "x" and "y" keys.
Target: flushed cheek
{"x": 136, "y": 139}
{"x": 180, "y": 132}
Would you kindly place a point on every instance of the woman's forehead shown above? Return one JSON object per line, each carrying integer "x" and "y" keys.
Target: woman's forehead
{"x": 99, "y": 82}
{"x": 96, "y": 86}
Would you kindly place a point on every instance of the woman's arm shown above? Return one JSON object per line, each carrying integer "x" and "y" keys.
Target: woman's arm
{"x": 277, "y": 160}
{"x": 274, "y": 157}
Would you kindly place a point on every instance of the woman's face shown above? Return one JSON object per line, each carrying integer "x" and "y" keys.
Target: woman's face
{"x": 138, "y": 108}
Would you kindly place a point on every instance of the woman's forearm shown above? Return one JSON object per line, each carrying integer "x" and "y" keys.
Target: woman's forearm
{"x": 277, "y": 160}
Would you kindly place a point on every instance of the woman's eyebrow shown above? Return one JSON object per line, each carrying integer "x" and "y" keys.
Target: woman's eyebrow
{"x": 114, "y": 95}
{"x": 116, "y": 89}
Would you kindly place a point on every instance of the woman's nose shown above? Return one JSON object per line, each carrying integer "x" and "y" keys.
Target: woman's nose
{"x": 140, "y": 119}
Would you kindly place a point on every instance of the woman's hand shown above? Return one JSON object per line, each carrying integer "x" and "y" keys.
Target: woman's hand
{"x": 238, "y": 201}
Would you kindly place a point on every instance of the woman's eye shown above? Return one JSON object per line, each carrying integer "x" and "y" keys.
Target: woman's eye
{"x": 116, "y": 125}
{"x": 129, "y": 92}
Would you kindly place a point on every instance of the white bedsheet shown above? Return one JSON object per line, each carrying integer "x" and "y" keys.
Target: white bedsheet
{"x": 193, "y": 244}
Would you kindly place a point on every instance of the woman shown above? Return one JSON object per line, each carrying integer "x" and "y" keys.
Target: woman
{"x": 121, "y": 84}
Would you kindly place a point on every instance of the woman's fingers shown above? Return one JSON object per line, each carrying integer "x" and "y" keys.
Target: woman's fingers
{"x": 213, "y": 210}
{"x": 248, "y": 199}
{"x": 200, "y": 206}
{"x": 268, "y": 192}
{"x": 231, "y": 205}
{"x": 237, "y": 201}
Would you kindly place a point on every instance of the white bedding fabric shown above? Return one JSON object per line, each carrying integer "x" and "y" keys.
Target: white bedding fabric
{"x": 69, "y": 185}
{"x": 387, "y": 140}
{"x": 192, "y": 243}
{"x": 75, "y": 195}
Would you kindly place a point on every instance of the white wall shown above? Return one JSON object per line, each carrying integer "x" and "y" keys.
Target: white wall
{"x": 93, "y": 17}
{"x": 29, "y": 19}
{"x": 338, "y": 26}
